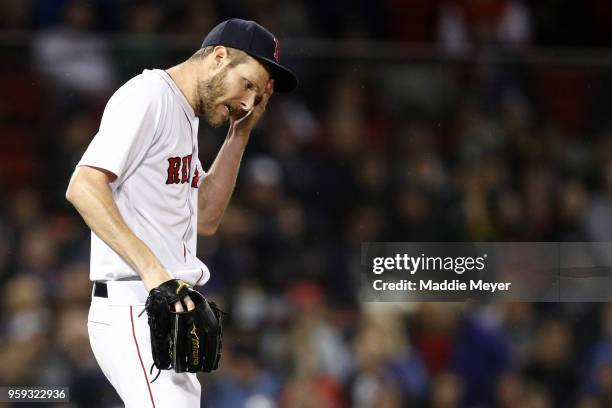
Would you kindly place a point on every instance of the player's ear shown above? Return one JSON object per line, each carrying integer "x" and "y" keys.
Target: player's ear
{"x": 220, "y": 54}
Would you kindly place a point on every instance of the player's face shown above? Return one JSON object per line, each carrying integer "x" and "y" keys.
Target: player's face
{"x": 232, "y": 92}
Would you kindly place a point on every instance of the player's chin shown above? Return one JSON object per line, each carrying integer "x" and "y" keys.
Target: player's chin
{"x": 218, "y": 118}
{"x": 217, "y": 122}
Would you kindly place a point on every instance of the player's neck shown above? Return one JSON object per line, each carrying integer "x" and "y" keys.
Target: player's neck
{"x": 185, "y": 77}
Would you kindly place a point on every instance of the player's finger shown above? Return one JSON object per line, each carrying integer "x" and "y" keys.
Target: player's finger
{"x": 189, "y": 303}
{"x": 267, "y": 94}
{"x": 243, "y": 117}
{"x": 269, "y": 88}
{"x": 178, "y": 307}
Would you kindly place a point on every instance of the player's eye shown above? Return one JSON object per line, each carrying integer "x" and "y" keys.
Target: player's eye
{"x": 249, "y": 86}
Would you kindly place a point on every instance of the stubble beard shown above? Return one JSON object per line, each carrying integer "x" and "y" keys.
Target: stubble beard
{"x": 209, "y": 93}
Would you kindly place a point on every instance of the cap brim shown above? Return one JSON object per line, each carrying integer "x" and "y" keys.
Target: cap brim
{"x": 284, "y": 79}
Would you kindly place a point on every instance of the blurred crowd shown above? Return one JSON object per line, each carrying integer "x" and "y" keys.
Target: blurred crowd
{"x": 469, "y": 149}
{"x": 453, "y": 23}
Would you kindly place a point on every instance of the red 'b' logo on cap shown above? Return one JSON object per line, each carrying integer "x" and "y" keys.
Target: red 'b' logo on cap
{"x": 276, "y": 49}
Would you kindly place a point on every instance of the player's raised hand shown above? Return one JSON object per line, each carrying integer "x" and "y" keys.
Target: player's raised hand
{"x": 246, "y": 123}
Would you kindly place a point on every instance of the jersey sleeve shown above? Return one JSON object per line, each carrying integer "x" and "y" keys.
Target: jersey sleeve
{"x": 128, "y": 128}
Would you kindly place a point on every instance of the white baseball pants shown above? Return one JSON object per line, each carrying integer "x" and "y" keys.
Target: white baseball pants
{"x": 120, "y": 340}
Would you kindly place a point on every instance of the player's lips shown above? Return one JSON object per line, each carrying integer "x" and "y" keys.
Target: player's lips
{"x": 226, "y": 111}
{"x": 235, "y": 113}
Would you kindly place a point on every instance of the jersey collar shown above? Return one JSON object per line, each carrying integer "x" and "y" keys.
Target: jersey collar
{"x": 184, "y": 103}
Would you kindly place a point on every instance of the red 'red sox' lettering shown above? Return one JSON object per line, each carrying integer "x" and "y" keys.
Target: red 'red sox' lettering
{"x": 186, "y": 168}
{"x": 196, "y": 179}
{"x": 174, "y": 164}
{"x": 179, "y": 169}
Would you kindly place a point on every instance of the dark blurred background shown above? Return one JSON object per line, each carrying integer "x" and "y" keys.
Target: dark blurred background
{"x": 415, "y": 120}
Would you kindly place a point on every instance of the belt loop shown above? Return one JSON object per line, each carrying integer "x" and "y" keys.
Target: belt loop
{"x": 100, "y": 289}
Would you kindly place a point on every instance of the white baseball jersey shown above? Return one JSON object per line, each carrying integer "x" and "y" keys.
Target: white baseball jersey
{"x": 148, "y": 137}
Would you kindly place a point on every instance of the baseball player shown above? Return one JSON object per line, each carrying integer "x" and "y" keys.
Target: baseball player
{"x": 145, "y": 196}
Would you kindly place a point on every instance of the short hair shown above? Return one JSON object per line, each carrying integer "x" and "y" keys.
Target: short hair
{"x": 236, "y": 56}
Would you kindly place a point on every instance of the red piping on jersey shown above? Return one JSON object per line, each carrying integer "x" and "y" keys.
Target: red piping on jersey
{"x": 140, "y": 358}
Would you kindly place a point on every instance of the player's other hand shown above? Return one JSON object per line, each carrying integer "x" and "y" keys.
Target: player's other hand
{"x": 178, "y": 307}
{"x": 176, "y": 292}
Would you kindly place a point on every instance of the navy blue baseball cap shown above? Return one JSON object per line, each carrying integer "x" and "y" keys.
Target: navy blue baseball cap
{"x": 256, "y": 41}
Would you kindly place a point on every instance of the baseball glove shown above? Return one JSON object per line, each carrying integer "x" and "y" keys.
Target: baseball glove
{"x": 184, "y": 341}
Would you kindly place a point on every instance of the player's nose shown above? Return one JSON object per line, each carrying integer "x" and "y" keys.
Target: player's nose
{"x": 248, "y": 102}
